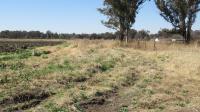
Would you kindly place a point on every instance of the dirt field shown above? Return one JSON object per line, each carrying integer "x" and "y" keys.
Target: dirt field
{"x": 101, "y": 76}
{"x": 10, "y": 45}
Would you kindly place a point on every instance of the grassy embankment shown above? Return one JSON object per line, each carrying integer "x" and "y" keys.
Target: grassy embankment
{"x": 101, "y": 76}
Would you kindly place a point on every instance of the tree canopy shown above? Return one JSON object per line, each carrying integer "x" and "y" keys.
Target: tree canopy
{"x": 121, "y": 14}
{"x": 180, "y": 13}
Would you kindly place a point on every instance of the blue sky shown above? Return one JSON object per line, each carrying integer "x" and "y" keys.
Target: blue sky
{"x": 70, "y": 16}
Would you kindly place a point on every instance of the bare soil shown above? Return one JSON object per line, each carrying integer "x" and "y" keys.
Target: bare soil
{"x": 10, "y": 45}
{"x": 24, "y": 100}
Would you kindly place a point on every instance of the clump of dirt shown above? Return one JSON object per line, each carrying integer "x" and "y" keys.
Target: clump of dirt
{"x": 64, "y": 80}
{"x": 24, "y": 100}
{"x": 68, "y": 80}
{"x": 95, "y": 69}
{"x": 80, "y": 79}
{"x": 94, "y": 101}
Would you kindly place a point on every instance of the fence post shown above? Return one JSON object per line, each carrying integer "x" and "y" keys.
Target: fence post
{"x": 155, "y": 41}
{"x": 154, "y": 45}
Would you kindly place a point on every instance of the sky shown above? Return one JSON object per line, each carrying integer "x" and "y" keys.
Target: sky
{"x": 71, "y": 16}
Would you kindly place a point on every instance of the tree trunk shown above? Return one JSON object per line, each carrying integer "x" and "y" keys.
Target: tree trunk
{"x": 184, "y": 34}
{"x": 121, "y": 35}
{"x": 183, "y": 29}
{"x": 127, "y": 36}
{"x": 189, "y": 29}
{"x": 188, "y": 36}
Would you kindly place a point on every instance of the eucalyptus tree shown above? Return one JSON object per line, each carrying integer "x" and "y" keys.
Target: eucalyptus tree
{"x": 180, "y": 13}
{"x": 121, "y": 15}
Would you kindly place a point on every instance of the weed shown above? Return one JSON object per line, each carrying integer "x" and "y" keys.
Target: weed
{"x": 82, "y": 87}
{"x": 163, "y": 58}
{"x": 130, "y": 79}
{"x": 46, "y": 52}
{"x": 107, "y": 65}
{"x": 26, "y": 75}
{"x": 99, "y": 93}
{"x": 67, "y": 64}
{"x": 40, "y": 53}
{"x": 91, "y": 51}
{"x": 18, "y": 65}
{"x": 55, "y": 108}
{"x": 36, "y": 53}
{"x": 181, "y": 104}
{"x": 161, "y": 107}
{"x": 185, "y": 92}
{"x": 24, "y": 54}
{"x": 123, "y": 109}
{"x": 75, "y": 98}
{"x": 142, "y": 85}
{"x": 79, "y": 108}
{"x": 45, "y": 57}
{"x": 4, "y": 80}
{"x": 149, "y": 91}
{"x": 83, "y": 95}
{"x": 2, "y": 66}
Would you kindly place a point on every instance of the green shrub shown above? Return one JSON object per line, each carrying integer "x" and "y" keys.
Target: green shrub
{"x": 107, "y": 65}
{"x": 123, "y": 109}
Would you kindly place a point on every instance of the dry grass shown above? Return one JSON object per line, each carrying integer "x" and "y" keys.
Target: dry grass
{"x": 126, "y": 77}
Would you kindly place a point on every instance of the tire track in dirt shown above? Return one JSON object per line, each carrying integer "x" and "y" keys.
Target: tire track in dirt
{"x": 109, "y": 101}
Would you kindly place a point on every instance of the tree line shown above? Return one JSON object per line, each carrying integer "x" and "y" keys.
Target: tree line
{"x": 133, "y": 34}
{"x": 122, "y": 13}
{"x": 50, "y": 35}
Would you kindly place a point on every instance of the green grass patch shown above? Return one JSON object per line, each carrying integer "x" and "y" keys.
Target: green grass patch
{"x": 55, "y": 108}
{"x": 20, "y": 54}
{"x": 28, "y": 74}
{"x": 106, "y": 64}
{"x": 40, "y": 53}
